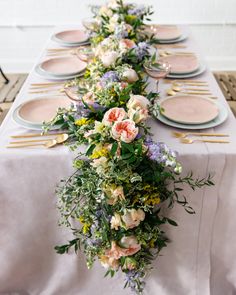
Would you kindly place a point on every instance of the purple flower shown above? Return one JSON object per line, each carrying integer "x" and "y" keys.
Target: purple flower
{"x": 141, "y": 50}
{"x": 108, "y": 78}
{"x": 159, "y": 152}
{"x": 138, "y": 11}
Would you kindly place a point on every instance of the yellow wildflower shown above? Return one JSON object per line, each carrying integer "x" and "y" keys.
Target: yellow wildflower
{"x": 86, "y": 228}
{"x": 82, "y": 121}
{"x": 152, "y": 243}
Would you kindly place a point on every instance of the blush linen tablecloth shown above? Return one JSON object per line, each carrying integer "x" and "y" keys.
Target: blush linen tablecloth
{"x": 200, "y": 260}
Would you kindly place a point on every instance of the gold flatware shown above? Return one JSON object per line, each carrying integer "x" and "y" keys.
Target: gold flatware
{"x": 185, "y": 134}
{"x": 189, "y": 84}
{"x": 48, "y": 144}
{"x": 59, "y": 139}
{"x": 162, "y": 46}
{"x": 189, "y": 141}
{"x": 184, "y": 81}
{"x": 168, "y": 53}
{"x": 171, "y": 92}
{"x": 36, "y": 135}
{"x": 46, "y": 83}
{"x": 60, "y": 90}
{"x": 177, "y": 88}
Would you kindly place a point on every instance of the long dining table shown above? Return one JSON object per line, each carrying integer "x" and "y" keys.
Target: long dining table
{"x": 200, "y": 260}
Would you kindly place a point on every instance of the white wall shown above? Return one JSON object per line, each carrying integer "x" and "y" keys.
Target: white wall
{"x": 26, "y": 24}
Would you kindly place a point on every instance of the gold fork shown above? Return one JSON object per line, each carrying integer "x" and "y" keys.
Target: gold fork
{"x": 189, "y": 141}
{"x": 185, "y": 134}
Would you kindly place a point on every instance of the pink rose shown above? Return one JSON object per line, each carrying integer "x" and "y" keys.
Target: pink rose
{"x": 116, "y": 252}
{"x": 109, "y": 262}
{"x": 127, "y": 44}
{"x": 114, "y": 115}
{"x": 124, "y": 131}
{"x": 133, "y": 217}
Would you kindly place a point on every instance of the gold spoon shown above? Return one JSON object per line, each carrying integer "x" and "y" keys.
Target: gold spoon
{"x": 59, "y": 139}
{"x": 185, "y": 134}
{"x": 48, "y": 144}
{"x": 189, "y": 141}
{"x": 189, "y": 84}
{"x": 177, "y": 88}
{"x": 171, "y": 92}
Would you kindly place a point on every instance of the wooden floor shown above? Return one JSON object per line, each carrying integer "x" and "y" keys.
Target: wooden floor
{"x": 227, "y": 83}
{"x": 8, "y": 92}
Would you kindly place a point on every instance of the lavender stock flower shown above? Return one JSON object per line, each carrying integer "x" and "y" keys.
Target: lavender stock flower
{"x": 159, "y": 152}
{"x": 141, "y": 50}
{"x": 108, "y": 78}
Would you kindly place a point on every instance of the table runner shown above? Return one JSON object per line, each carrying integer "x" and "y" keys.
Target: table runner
{"x": 199, "y": 261}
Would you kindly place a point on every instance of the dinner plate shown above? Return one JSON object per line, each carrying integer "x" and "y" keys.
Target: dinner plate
{"x": 44, "y": 75}
{"x": 199, "y": 71}
{"x": 29, "y": 126}
{"x": 37, "y": 111}
{"x": 221, "y": 118}
{"x": 71, "y": 37}
{"x": 167, "y": 33}
{"x": 182, "y": 64}
{"x": 189, "y": 109}
{"x": 63, "y": 66}
{"x": 177, "y": 40}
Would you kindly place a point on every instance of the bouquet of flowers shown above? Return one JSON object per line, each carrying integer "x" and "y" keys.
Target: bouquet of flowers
{"x": 118, "y": 198}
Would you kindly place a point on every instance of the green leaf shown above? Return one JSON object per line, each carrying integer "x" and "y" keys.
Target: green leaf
{"x": 172, "y": 222}
{"x": 90, "y": 150}
{"x": 114, "y": 148}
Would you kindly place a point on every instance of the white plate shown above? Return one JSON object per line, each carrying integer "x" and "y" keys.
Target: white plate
{"x": 180, "y": 39}
{"x": 221, "y": 118}
{"x": 199, "y": 71}
{"x": 25, "y": 125}
{"x": 58, "y": 37}
{"x": 42, "y": 74}
{"x": 189, "y": 109}
{"x": 63, "y": 66}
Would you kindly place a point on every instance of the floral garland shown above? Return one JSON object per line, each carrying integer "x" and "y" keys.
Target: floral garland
{"x": 125, "y": 182}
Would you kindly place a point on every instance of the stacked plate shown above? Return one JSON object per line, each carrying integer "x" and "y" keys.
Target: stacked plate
{"x": 71, "y": 38}
{"x": 33, "y": 113}
{"x": 61, "y": 68}
{"x": 167, "y": 34}
{"x": 191, "y": 112}
{"x": 184, "y": 66}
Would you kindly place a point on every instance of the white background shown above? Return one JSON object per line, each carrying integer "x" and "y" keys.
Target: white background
{"x": 25, "y": 25}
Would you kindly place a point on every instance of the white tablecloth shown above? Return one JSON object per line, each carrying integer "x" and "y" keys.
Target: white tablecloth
{"x": 199, "y": 261}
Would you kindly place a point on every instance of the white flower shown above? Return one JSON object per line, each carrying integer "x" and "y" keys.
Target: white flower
{"x": 138, "y": 108}
{"x": 138, "y": 101}
{"x": 129, "y": 242}
{"x": 114, "y": 194}
{"x": 113, "y": 22}
{"x": 113, "y": 4}
{"x": 109, "y": 262}
{"x": 133, "y": 217}
{"x": 109, "y": 58}
{"x": 115, "y": 221}
{"x": 130, "y": 75}
{"x": 104, "y": 10}
{"x": 138, "y": 114}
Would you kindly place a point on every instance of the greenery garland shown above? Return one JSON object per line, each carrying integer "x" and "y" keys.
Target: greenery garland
{"x": 125, "y": 182}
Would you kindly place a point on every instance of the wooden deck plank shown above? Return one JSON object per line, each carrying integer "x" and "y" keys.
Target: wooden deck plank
{"x": 10, "y": 97}
{"x": 7, "y": 87}
{"x": 222, "y": 85}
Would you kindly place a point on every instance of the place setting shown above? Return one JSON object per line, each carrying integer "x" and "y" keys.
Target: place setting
{"x": 61, "y": 68}
{"x": 71, "y": 38}
{"x": 167, "y": 34}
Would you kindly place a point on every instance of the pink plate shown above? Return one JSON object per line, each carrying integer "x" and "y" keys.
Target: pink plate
{"x": 36, "y": 111}
{"x": 167, "y": 32}
{"x": 182, "y": 64}
{"x": 189, "y": 109}
{"x": 72, "y": 36}
{"x": 63, "y": 66}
